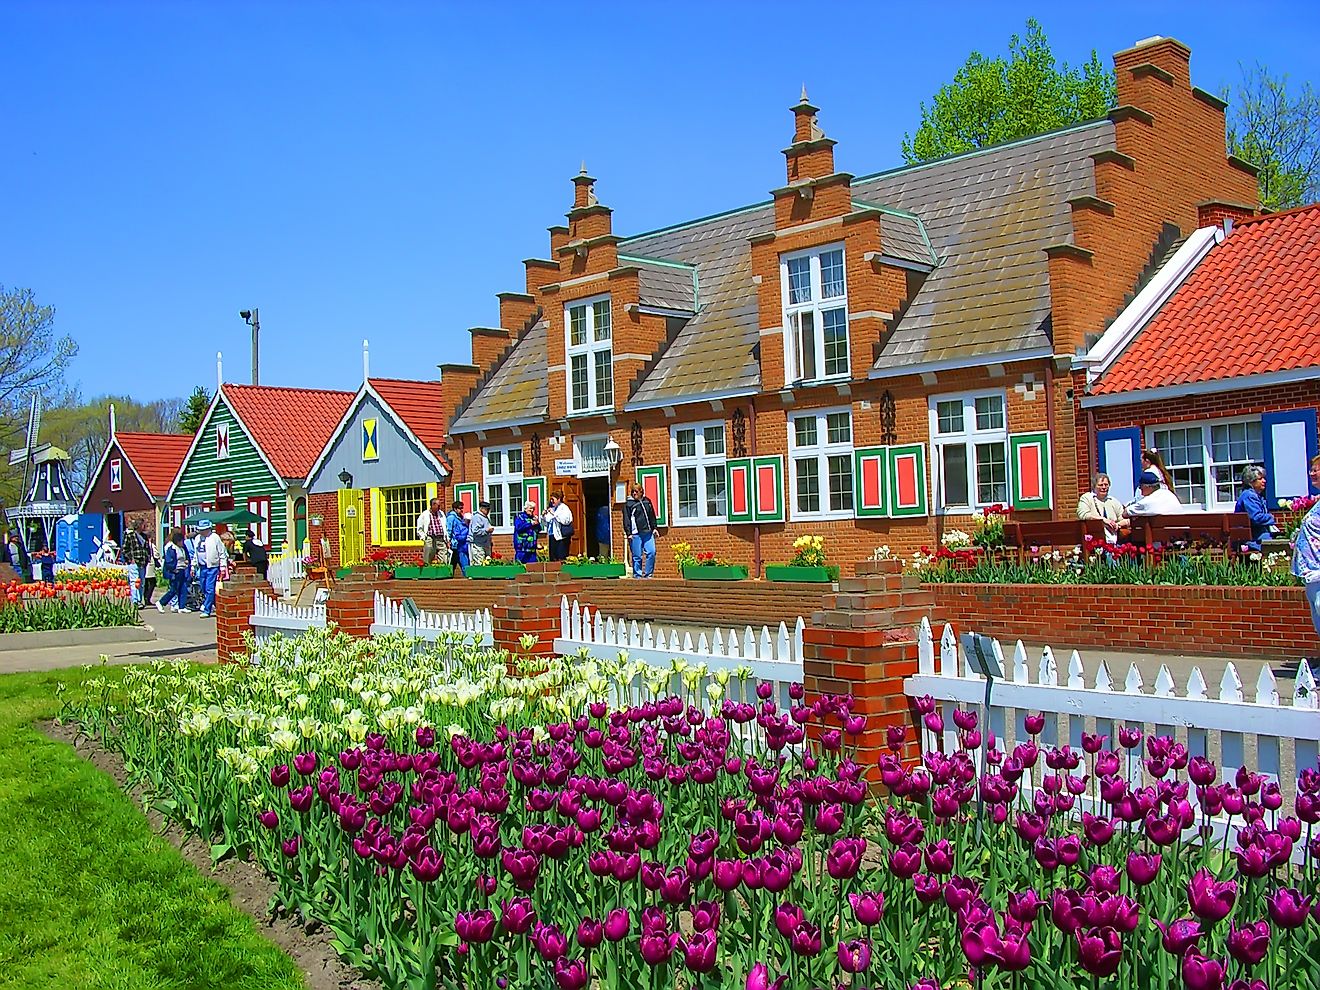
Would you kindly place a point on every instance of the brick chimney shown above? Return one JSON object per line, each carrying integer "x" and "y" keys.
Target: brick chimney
{"x": 814, "y": 191}
{"x": 488, "y": 343}
{"x": 456, "y": 381}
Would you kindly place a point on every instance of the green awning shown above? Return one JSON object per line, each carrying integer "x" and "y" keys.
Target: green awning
{"x": 225, "y": 517}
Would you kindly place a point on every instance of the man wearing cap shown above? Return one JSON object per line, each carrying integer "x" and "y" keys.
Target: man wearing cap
{"x": 479, "y": 534}
{"x": 1155, "y": 500}
{"x": 211, "y": 557}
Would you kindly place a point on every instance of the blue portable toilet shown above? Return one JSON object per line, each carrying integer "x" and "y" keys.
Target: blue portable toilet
{"x": 76, "y": 537}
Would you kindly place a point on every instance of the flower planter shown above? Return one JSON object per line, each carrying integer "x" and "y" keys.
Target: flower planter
{"x": 343, "y": 572}
{"x": 595, "y": 570}
{"x": 495, "y": 572}
{"x": 810, "y": 575}
{"x": 407, "y": 573}
{"x": 434, "y": 573}
{"x": 715, "y": 572}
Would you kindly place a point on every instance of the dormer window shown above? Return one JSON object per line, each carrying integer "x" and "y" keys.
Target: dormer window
{"x": 590, "y": 356}
{"x": 815, "y": 293}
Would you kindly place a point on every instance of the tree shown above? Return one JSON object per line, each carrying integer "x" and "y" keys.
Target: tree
{"x": 194, "y": 409}
{"x": 992, "y": 100}
{"x": 32, "y": 359}
{"x": 1277, "y": 129}
{"x": 83, "y": 429}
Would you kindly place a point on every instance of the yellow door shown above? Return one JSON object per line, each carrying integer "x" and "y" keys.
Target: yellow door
{"x": 352, "y": 543}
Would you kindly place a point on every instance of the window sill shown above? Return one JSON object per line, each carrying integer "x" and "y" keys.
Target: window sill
{"x": 831, "y": 516}
{"x": 397, "y": 543}
{"x": 700, "y": 521}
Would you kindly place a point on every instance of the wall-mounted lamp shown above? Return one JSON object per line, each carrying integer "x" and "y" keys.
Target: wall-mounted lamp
{"x": 345, "y": 479}
{"x": 107, "y": 506}
{"x": 613, "y": 453}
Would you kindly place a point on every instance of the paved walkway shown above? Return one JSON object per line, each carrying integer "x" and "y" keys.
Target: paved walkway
{"x": 176, "y": 636}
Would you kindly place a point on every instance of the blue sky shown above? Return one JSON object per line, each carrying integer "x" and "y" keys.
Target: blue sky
{"x": 381, "y": 170}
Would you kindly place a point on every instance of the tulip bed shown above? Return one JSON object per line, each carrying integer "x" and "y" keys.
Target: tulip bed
{"x": 76, "y": 604}
{"x": 461, "y": 819}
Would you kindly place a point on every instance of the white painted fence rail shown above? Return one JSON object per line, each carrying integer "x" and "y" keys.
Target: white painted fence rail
{"x": 1275, "y": 733}
{"x": 284, "y": 569}
{"x": 774, "y": 657}
{"x": 430, "y": 626}
{"x": 270, "y": 615}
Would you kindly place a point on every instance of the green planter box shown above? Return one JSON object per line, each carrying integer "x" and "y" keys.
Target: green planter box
{"x": 595, "y": 570}
{"x": 407, "y": 573}
{"x": 434, "y": 573}
{"x": 811, "y": 575}
{"x": 343, "y": 572}
{"x": 496, "y": 572}
{"x": 717, "y": 572}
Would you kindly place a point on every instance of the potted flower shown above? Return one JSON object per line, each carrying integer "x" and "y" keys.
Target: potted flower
{"x": 808, "y": 563}
{"x": 380, "y": 560}
{"x": 313, "y": 569}
{"x": 990, "y": 528}
{"x": 703, "y": 565}
{"x": 495, "y": 568}
{"x": 582, "y": 566}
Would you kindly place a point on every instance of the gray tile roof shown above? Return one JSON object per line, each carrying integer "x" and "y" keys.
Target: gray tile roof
{"x": 517, "y": 392}
{"x": 903, "y": 236}
{"x": 664, "y": 285}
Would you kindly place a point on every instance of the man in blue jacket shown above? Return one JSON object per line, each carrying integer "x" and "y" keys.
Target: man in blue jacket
{"x": 458, "y": 537}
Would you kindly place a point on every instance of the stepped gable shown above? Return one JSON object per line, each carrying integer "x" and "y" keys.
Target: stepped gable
{"x": 155, "y": 457}
{"x": 516, "y": 392}
{"x": 290, "y": 425}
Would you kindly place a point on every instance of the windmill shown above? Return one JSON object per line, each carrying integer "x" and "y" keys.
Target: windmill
{"x": 45, "y": 497}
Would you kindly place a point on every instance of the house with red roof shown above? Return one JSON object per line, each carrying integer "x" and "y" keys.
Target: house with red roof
{"x": 380, "y": 467}
{"x": 254, "y": 450}
{"x": 1215, "y": 363}
{"x": 133, "y": 477}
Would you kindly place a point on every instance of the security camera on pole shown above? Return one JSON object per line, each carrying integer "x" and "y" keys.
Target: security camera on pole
{"x": 253, "y": 319}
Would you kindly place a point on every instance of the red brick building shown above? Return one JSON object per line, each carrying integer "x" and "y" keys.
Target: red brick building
{"x": 872, "y": 359}
{"x": 1216, "y": 363}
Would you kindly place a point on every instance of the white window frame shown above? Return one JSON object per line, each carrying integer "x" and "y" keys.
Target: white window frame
{"x": 589, "y": 349}
{"x": 699, "y": 461}
{"x": 504, "y": 480}
{"x": 1210, "y": 503}
{"x": 816, "y": 307}
{"x": 821, "y": 451}
{"x": 578, "y": 444}
{"x": 969, "y": 437}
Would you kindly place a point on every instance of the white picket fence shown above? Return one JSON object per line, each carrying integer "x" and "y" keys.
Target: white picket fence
{"x": 284, "y": 569}
{"x": 271, "y": 616}
{"x": 430, "y": 626}
{"x": 1272, "y": 733}
{"x": 774, "y": 657}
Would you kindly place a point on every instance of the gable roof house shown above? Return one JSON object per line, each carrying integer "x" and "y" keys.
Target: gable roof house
{"x": 254, "y": 450}
{"x": 1216, "y": 363}
{"x": 134, "y": 475}
{"x": 872, "y": 359}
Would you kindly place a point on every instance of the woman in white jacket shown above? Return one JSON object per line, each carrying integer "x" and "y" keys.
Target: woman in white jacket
{"x": 558, "y": 522}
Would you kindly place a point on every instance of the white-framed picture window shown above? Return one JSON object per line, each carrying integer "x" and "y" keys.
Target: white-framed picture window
{"x": 969, "y": 447}
{"x": 589, "y": 332}
{"x": 504, "y": 484}
{"x": 820, "y": 451}
{"x": 697, "y": 457}
{"x": 1206, "y": 459}
{"x": 815, "y": 295}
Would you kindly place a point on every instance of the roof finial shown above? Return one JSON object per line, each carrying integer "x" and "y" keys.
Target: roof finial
{"x": 366, "y": 367}
{"x": 219, "y": 371}
{"x": 583, "y": 170}
{"x": 112, "y": 420}
{"x": 804, "y": 94}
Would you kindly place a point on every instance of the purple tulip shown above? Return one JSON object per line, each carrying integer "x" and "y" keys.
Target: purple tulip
{"x": 616, "y": 924}
{"x": 1034, "y": 724}
{"x": 1180, "y": 935}
{"x": 549, "y": 941}
{"x": 1142, "y": 868}
{"x": 1099, "y": 950}
{"x": 855, "y": 956}
{"x": 939, "y": 857}
{"x": 279, "y": 775}
{"x": 934, "y": 722}
{"x": 928, "y": 889}
{"x": 805, "y": 940}
{"x": 787, "y": 918}
{"x": 570, "y": 974}
{"x": 427, "y": 865}
{"x": 657, "y": 947}
{"x": 305, "y": 764}
{"x": 1098, "y": 831}
{"x": 1200, "y": 973}
{"x": 290, "y": 846}
{"x": 1129, "y": 737}
{"x": 1209, "y": 898}
{"x": 868, "y": 907}
{"x": 699, "y": 951}
{"x": 475, "y": 926}
{"x": 1103, "y": 879}
{"x": 1288, "y": 908}
{"x": 905, "y": 861}
{"x": 895, "y": 736}
{"x": 705, "y": 916}
{"x": 1250, "y": 943}
{"x": 1243, "y": 984}
{"x": 759, "y": 979}
{"x": 517, "y": 915}
{"x": 270, "y": 820}
{"x": 1024, "y": 907}
{"x": 845, "y": 858}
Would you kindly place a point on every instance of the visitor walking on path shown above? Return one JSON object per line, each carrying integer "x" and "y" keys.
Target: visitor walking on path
{"x": 479, "y": 535}
{"x": 137, "y": 552}
{"x": 458, "y": 538}
{"x": 639, "y": 527}
{"x": 558, "y": 522}
{"x": 1252, "y": 502}
{"x": 433, "y": 534}
{"x": 153, "y": 567}
{"x": 1306, "y": 554}
{"x": 175, "y": 570}
{"x": 212, "y": 557}
{"x": 525, "y": 532}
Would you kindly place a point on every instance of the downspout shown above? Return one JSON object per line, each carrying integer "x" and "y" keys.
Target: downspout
{"x": 1094, "y": 463}
{"x": 1049, "y": 418}
{"x": 756, "y": 527}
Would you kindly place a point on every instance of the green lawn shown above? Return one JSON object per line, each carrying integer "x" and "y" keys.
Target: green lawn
{"x": 90, "y": 897}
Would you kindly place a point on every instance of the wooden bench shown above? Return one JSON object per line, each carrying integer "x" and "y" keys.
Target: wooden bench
{"x": 1054, "y": 533}
{"x": 1224, "y": 530}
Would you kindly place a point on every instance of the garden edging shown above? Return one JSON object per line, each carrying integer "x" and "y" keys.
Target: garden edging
{"x": 54, "y": 638}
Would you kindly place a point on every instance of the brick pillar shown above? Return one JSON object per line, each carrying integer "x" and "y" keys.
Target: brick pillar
{"x": 352, "y": 602}
{"x": 863, "y": 643}
{"x": 233, "y": 608}
{"x": 531, "y": 607}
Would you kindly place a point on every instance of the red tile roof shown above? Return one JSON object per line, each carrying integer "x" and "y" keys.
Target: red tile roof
{"x": 418, "y": 404}
{"x": 156, "y": 457}
{"x": 290, "y": 425}
{"x": 1252, "y": 306}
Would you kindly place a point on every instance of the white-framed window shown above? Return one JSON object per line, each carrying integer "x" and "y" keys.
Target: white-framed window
{"x": 1206, "y": 459}
{"x": 969, "y": 447}
{"x": 697, "y": 457}
{"x": 588, "y": 332}
{"x": 815, "y": 293}
{"x": 820, "y": 447}
{"x": 504, "y": 484}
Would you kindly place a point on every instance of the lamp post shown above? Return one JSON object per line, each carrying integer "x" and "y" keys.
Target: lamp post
{"x": 613, "y": 453}
{"x": 253, "y": 319}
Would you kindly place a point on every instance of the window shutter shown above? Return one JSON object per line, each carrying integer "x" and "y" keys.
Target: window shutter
{"x": 870, "y": 470}
{"x": 1289, "y": 442}
{"x": 654, "y": 481}
{"x": 907, "y": 480}
{"x": 1029, "y": 483}
{"x": 467, "y": 494}
{"x": 432, "y": 490}
{"x": 377, "y": 501}
{"x": 738, "y": 479}
{"x": 768, "y": 489}
{"x": 1118, "y": 452}
{"x": 534, "y": 492}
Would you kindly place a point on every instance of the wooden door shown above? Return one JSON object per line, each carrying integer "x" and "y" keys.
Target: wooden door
{"x": 352, "y": 541}
{"x": 572, "y": 489}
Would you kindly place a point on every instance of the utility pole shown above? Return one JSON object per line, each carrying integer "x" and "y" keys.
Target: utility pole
{"x": 253, "y": 319}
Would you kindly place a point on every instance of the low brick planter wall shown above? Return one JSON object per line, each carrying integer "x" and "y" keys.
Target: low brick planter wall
{"x": 1261, "y": 623}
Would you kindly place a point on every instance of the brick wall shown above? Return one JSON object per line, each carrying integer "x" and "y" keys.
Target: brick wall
{"x": 1256, "y": 623}
{"x": 234, "y": 605}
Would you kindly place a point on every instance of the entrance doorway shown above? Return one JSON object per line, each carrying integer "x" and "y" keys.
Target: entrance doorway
{"x": 596, "y": 521}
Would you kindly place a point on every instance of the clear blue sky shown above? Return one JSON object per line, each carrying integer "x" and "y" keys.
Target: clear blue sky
{"x": 381, "y": 170}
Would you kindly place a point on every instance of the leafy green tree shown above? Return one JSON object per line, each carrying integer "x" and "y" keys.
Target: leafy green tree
{"x": 194, "y": 409}
{"x": 992, "y": 100}
{"x": 1275, "y": 125}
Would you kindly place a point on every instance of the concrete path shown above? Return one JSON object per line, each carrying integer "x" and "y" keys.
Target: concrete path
{"x": 176, "y": 636}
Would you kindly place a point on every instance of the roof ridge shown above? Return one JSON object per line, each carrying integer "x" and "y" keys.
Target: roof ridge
{"x": 1276, "y": 216}
{"x": 291, "y": 388}
{"x": 406, "y": 381}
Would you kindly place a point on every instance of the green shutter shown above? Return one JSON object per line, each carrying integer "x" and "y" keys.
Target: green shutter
{"x": 870, "y": 482}
{"x": 740, "y": 490}
{"x": 654, "y": 481}
{"x": 534, "y": 491}
{"x": 1029, "y": 471}
{"x": 907, "y": 480}
{"x": 468, "y": 491}
{"x": 768, "y": 489}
